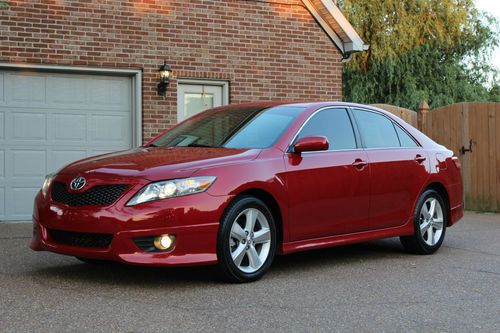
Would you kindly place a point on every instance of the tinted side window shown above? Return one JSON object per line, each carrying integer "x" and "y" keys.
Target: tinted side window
{"x": 404, "y": 138}
{"x": 335, "y": 125}
{"x": 376, "y": 130}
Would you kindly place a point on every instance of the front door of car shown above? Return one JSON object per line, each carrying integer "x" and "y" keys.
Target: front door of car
{"x": 328, "y": 190}
{"x": 398, "y": 167}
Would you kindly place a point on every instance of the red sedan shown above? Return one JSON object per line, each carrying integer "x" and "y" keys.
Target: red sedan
{"x": 236, "y": 185}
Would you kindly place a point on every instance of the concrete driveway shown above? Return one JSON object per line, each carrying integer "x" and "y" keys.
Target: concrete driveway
{"x": 368, "y": 287}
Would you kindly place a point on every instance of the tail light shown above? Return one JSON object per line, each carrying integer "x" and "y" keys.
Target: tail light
{"x": 457, "y": 162}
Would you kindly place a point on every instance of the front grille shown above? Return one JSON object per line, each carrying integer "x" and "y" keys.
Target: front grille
{"x": 100, "y": 195}
{"x": 81, "y": 239}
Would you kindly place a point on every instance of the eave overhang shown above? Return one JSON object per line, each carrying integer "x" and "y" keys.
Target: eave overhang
{"x": 338, "y": 28}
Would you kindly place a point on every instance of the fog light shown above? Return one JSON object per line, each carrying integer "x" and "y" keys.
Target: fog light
{"x": 164, "y": 242}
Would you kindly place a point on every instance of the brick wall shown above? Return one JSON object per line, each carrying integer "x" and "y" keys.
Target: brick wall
{"x": 266, "y": 51}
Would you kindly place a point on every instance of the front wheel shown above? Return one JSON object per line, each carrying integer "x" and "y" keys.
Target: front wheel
{"x": 246, "y": 244}
{"x": 430, "y": 220}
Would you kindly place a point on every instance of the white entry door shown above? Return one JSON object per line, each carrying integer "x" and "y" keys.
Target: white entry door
{"x": 194, "y": 96}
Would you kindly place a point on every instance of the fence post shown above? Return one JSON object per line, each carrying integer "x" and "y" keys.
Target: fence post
{"x": 422, "y": 112}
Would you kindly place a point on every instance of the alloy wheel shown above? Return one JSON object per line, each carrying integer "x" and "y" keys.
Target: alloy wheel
{"x": 431, "y": 221}
{"x": 250, "y": 240}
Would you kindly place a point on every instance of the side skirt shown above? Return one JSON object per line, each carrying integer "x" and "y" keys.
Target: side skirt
{"x": 339, "y": 240}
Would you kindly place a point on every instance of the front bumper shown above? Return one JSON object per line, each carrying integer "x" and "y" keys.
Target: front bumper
{"x": 194, "y": 220}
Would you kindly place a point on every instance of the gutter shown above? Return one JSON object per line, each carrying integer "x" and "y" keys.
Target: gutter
{"x": 337, "y": 27}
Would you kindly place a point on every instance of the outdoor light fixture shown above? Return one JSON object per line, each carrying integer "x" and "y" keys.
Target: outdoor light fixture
{"x": 165, "y": 74}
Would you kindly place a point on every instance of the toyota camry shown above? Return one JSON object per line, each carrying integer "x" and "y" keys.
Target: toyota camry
{"x": 236, "y": 185}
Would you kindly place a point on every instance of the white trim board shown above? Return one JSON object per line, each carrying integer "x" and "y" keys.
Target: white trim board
{"x": 336, "y": 26}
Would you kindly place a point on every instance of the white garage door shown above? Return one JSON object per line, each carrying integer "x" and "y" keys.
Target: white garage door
{"x": 48, "y": 120}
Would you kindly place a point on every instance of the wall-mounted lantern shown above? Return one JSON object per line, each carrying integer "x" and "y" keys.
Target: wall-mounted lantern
{"x": 165, "y": 73}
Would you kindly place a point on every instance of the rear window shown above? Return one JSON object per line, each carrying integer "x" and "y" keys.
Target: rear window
{"x": 404, "y": 138}
{"x": 376, "y": 130}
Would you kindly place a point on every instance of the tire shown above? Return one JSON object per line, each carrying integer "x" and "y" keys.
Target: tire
{"x": 245, "y": 253}
{"x": 429, "y": 224}
{"x": 93, "y": 261}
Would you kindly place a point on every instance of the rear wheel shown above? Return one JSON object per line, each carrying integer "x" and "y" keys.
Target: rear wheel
{"x": 430, "y": 220}
{"x": 247, "y": 240}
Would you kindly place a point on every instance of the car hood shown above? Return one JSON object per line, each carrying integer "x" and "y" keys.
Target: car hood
{"x": 156, "y": 163}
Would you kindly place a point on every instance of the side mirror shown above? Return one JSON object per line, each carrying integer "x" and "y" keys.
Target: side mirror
{"x": 310, "y": 143}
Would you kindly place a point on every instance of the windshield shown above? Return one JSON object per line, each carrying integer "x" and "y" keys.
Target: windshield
{"x": 245, "y": 127}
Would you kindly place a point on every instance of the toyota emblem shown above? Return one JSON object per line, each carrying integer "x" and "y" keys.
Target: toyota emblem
{"x": 78, "y": 183}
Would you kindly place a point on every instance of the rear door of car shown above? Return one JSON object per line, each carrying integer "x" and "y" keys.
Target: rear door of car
{"x": 328, "y": 190}
{"x": 398, "y": 168}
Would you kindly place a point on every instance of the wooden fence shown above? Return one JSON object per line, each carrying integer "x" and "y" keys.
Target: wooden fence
{"x": 409, "y": 116}
{"x": 472, "y": 131}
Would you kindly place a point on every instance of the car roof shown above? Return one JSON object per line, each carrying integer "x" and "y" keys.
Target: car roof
{"x": 309, "y": 106}
{"x": 315, "y": 104}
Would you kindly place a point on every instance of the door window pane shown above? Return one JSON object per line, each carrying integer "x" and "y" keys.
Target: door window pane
{"x": 405, "y": 139}
{"x": 195, "y": 103}
{"x": 335, "y": 125}
{"x": 376, "y": 130}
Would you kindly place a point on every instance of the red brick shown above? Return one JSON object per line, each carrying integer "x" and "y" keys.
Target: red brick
{"x": 265, "y": 51}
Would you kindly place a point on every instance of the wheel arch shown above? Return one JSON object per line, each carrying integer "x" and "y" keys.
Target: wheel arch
{"x": 441, "y": 190}
{"x": 273, "y": 206}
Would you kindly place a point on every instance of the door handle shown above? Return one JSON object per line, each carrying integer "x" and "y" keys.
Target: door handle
{"x": 359, "y": 164}
{"x": 420, "y": 159}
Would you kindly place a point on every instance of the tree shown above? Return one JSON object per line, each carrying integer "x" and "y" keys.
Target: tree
{"x": 420, "y": 49}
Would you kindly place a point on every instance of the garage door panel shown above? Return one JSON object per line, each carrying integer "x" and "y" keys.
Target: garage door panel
{"x": 2, "y": 94}
{"x": 59, "y": 158}
{"x": 28, "y": 126}
{"x": 18, "y": 86}
{"x": 69, "y": 126}
{"x": 111, "y": 128}
{"x": 109, "y": 93}
{"x": 2, "y": 163}
{"x": 66, "y": 91}
{"x": 96, "y": 152}
{"x": 2, "y": 125}
{"x": 2, "y": 203}
{"x": 27, "y": 163}
{"x": 20, "y": 202}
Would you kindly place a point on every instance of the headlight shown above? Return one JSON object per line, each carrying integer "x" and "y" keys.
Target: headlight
{"x": 46, "y": 183}
{"x": 171, "y": 188}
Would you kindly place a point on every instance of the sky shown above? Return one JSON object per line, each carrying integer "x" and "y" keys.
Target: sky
{"x": 492, "y": 7}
